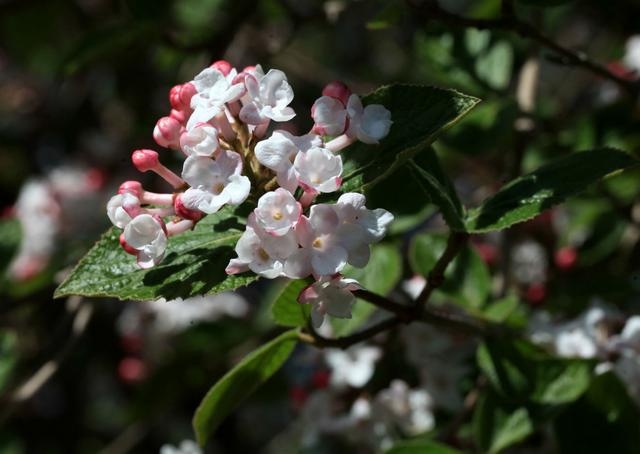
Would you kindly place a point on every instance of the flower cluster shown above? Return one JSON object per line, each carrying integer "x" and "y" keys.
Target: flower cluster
{"x": 220, "y": 122}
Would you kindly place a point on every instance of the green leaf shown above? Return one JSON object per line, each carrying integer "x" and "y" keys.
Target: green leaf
{"x": 421, "y": 447}
{"x": 522, "y": 372}
{"x": 240, "y": 382}
{"x": 497, "y": 426}
{"x": 381, "y": 275}
{"x": 467, "y": 279}
{"x": 609, "y": 420}
{"x": 419, "y": 114}
{"x": 531, "y": 194}
{"x": 494, "y": 67}
{"x": 194, "y": 264}
{"x": 285, "y": 310}
{"x": 10, "y": 235}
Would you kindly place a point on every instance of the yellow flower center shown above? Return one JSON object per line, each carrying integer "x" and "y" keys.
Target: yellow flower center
{"x": 317, "y": 243}
{"x": 277, "y": 215}
{"x": 263, "y": 254}
{"x": 218, "y": 188}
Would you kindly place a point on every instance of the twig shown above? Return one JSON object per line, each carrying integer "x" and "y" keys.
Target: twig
{"x": 455, "y": 243}
{"x": 431, "y": 10}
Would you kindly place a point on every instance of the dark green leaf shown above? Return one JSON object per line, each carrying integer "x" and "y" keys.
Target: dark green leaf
{"x": 240, "y": 382}
{"x": 521, "y": 372}
{"x": 420, "y": 114}
{"x": 605, "y": 419}
{"x": 194, "y": 264}
{"x": 497, "y": 426}
{"x": 531, "y": 194}
{"x": 8, "y": 356}
{"x": 437, "y": 186}
{"x": 286, "y": 310}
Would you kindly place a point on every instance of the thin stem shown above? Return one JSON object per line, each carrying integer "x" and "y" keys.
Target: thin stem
{"x": 431, "y": 10}
{"x": 456, "y": 242}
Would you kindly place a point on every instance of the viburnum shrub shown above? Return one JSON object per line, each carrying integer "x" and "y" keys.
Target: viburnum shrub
{"x": 254, "y": 200}
{"x": 219, "y": 123}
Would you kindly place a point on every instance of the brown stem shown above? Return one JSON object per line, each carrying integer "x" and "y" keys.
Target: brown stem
{"x": 456, "y": 242}
{"x": 431, "y": 10}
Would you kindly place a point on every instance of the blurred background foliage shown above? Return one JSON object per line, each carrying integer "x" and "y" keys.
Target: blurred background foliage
{"x": 82, "y": 82}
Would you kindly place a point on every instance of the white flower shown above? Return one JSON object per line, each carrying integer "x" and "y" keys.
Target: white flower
{"x": 214, "y": 89}
{"x": 369, "y": 124}
{"x": 410, "y": 409}
{"x": 322, "y": 253}
{"x": 278, "y": 212}
{"x": 359, "y": 226}
{"x": 268, "y": 99}
{"x": 632, "y": 53}
{"x": 186, "y": 447}
{"x": 262, "y": 253}
{"x": 122, "y": 208}
{"x": 214, "y": 183}
{"x": 146, "y": 234}
{"x": 201, "y": 140}
{"x": 354, "y": 366}
{"x": 318, "y": 170}
{"x": 329, "y": 116}
{"x": 575, "y": 343}
{"x": 329, "y": 295}
{"x": 280, "y": 150}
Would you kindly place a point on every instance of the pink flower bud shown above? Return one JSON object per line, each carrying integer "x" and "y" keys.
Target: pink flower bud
{"x": 174, "y": 97}
{"x": 186, "y": 93}
{"x": 145, "y": 160}
{"x": 566, "y": 258}
{"x": 536, "y": 293}
{"x": 184, "y": 212}
{"x": 249, "y": 69}
{"x": 128, "y": 249}
{"x": 178, "y": 115}
{"x": 134, "y": 187}
{"x": 167, "y": 132}
{"x": 132, "y": 370}
{"x": 337, "y": 90}
{"x": 222, "y": 65}
{"x": 95, "y": 179}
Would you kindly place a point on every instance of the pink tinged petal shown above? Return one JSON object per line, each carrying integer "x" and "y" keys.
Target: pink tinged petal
{"x": 275, "y": 152}
{"x": 351, "y": 284}
{"x": 280, "y": 247}
{"x": 199, "y": 171}
{"x": 356, "y": 200}
{"x": 194, "y": 198}
{"x": 229, "y": 163}
{"x": 284, "y": 114}
{"x": 375, "y": 222}
{"x": 338, "y": 302}
{"x": 142, "y": 231}
{"x": 323, "y": 219}
{"x": 329, "y": 115}
{"x": 298, "y": 264}
{"x": 237, "y": 189}
{"x": 359, "y": 256}
{"x": 304, "y": 232}
{"x": 287, "y": 179}
{"x": 308, "y": 294}
{"x": 250, "y": 114}
{"x": 328, "y": 261}
{"x": 375, "y": 124}
{"x": 236, "y": 266}
{"x": 269, "y": 270}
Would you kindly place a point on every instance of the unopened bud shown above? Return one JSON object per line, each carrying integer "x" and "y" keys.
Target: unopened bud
{"x": 178, "y": 115}
{"x": 337, "y": 90}
{"x": 223, "y": 66}
{"x": 566, "y": 258}
{"x": 145, "y": 160}
{"x": 167, "y": 132}
{"x": 184, "y": 212}
{"x": 186, "y": 93}
{"x": 174, "y": 97}
{"x": 134, "y": 187}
